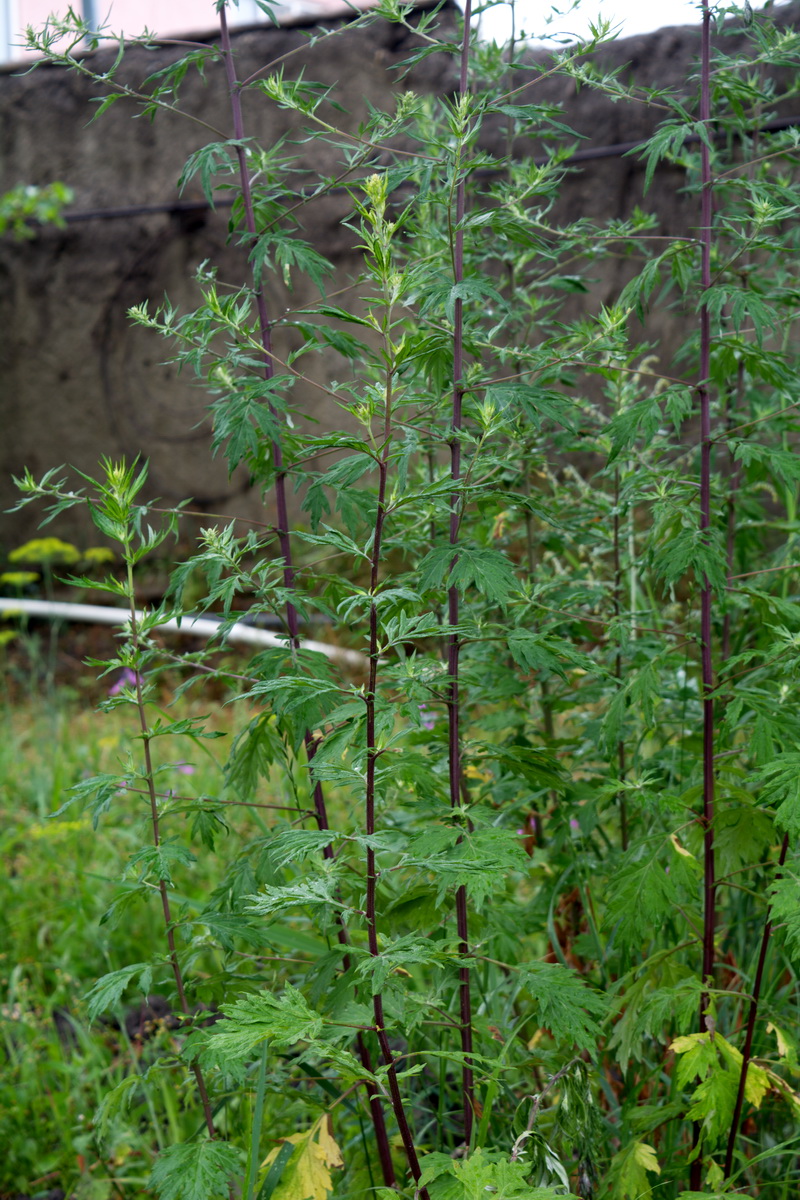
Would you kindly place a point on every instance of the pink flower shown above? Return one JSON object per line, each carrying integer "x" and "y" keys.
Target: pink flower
{"x": 185, "y": 768}
{"x": 128, "y": 678}
{"x": 428, "y": 718}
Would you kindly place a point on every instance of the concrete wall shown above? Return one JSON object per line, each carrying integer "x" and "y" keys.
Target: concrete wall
{"x": 77, "y": 381}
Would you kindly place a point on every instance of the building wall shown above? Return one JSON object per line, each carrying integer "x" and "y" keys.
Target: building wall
{"x": 78, "y": 381}
{"x": 176, "y": 18}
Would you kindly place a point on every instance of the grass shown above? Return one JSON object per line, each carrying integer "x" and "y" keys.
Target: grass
{"x": 61, "y": 878}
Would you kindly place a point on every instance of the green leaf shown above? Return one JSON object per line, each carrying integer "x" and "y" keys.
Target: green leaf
{"x": 207, "y": 824}
{"x": 296, "y": 845}
{"x": 334, "y": 539}
{"x": 343, "y": 343}
{"x": 715, "y": 1195}
{"x": 197, "y": 1171}
{"x": 124, "y": 900}
{"x": 158, "y": 861}
{"x": 785, "y": 910}
{"x": 96, "y": 793}
{"x": 539, "y": 652}
{"x": 565, "y": 1004}
{"x": 343, "y": 314}
{"x": 118, "y": 531}
{"x": 194, "y": 727}
{"x": 283, "y": 1020}
{"x": 252, "y": 755}
{"x": 641, "y": 420}
{"x": 228, "y": 928}
{"x": 480, "y": 860}
{"x": 741, "y": 305}
{"x": 700, "y": 551}
{"x": 108, "y": 990}
{"x": 649, "y": 1013}
{"x": 289, "y": 253}
{"x": 474, "y": 291}
{"x": 484, "y": 1173}
{"x": 641, "y": 897}
{"x": 339, "y": 482}
{"x": 488, "y": 570}
{"x": 718, "y": 1065}
{"x": 784, "y": 464}
{"x": 628, "y": 1172}
{"x": 245, "y": 418}
{"x": 665, "y": 143}
{"x": 780, "y": 781}
{"x": 403, "y": 953}
{"x": 115, "y": 1104}
{"x": 217, "y": 158}
{"x": 713, "y": 1102}
{"x": 310, "y": 892}
{"x": 678, "y": 404}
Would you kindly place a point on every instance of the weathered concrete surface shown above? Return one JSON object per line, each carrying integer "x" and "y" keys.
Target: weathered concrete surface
{"x": 77, "y": 381}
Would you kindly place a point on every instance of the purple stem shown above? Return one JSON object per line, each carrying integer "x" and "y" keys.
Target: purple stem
{"x": 623, "y": 808}
{"x": 709, "y": 886}
{"x": 265, "y": 330}
{"x": 406, "y": 1135}
{"x": 453, "y": 640}
{"x": 265, "y": 327}
{"x": 705, "y": 518}
{"x": 751, "y": 1022}
{"x": 162, "y": 887}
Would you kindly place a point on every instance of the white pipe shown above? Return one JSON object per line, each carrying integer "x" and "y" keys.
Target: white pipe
{"x": 205, "y": 627}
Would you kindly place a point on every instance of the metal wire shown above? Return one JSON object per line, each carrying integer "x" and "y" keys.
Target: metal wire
{"x": 177, "y": 207}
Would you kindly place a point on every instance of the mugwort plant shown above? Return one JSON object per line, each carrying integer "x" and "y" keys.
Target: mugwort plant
{"x": 515, "y": 905}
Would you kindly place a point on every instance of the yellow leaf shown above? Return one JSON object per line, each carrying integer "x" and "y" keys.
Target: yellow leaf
{"x": 785, "y": 1047}
{"x": 681, "y": 849}
{"x": 645, "y": 1156}
{"x": 688, "y": 1042}
{"x": 629, "y": 1169}
{"x": 307, "y": 1175}
{"x": 783, "y": 1089}
{"x": 473, "y": 772}
{"x": 756, "y": 1085}
{"x": 500, "y": 521}
{"x": 757, "y": 1081}
{"x": 331, "y": 1151}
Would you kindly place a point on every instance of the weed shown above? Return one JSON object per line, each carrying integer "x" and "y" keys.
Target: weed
{"x": 495, "y": 913}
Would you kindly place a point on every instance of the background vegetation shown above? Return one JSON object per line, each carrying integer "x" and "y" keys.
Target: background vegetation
{"x": 512, "y": 905}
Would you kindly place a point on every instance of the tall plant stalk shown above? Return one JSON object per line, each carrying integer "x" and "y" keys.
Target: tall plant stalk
{"x": 453, "y": 639}
{"x": 375, "y": 213}
{"x": 707, "y": 820}
{"x": 152, "y": 795}
{"x": 284, "y": 541}
{"x": 621, "y": 764}
{"x": 751, "y": 1023}
{"x": 709, "y": 922}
